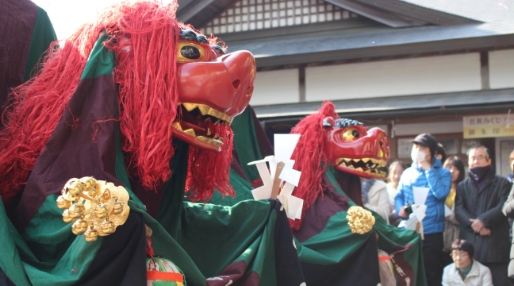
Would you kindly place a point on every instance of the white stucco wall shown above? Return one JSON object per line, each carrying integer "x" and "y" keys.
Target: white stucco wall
{"x": 501, "y": 68}
{"x": 274, "y": 87}
{"x": 435, "y": 74}
{"x": 430, "y": 127}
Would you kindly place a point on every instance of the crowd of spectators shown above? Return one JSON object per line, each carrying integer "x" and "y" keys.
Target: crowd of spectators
{"x": 465, "y": 230}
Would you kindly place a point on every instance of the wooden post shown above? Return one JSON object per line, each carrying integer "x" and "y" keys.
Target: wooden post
{"x": 276, "y": 180}
{"x": 419, "y": 229}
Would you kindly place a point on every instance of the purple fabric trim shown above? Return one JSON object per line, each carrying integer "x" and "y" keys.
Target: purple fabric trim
{"x": 235, "y": 273}
{"x": 17, "y": 19}
{"x": 80, "y": 146}
{"x": 151, "y": 199}
{"x": 402, "y": 268}
{"x": 317, "y": 217}
{"x": 351, "y": 186}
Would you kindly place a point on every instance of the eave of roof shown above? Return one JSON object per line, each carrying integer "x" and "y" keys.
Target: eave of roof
{"x": 486, "y": 11}
{"x": 407, "y": 105}
{"x": 373, "y": 42}
{"x": 199, "y": 12}
{"x": 418, "y": 12}
{"x": 385, "y": 17}
{"x": 393, "y": 13}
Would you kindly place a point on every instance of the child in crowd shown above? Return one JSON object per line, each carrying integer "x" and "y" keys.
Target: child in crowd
{"x": 393, "y": 178}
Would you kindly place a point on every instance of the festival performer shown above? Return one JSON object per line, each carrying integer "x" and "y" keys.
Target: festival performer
{"x": 138, "y": 101}
{"x": 330, "y": 151}
{"x": 328, "y": 146}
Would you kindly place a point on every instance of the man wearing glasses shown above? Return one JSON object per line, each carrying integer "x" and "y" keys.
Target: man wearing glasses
{"x": 478, "y": 208}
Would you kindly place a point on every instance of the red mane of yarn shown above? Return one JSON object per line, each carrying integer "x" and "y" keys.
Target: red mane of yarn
{"x": 311, "y": 157}
{"x": 148, "y": 99}
{"x": 209, "y": 170}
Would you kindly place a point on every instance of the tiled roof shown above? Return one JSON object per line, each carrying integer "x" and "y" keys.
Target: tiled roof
{"x": 480, "y": 10}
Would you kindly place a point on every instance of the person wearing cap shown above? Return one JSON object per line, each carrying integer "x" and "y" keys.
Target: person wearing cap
{"x": 426, "y": 171}
{"x": 465, "y": 270}
{"x": 478, "y": 209}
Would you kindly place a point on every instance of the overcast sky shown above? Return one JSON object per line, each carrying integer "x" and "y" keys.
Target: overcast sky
{"x": 68, "y": 15}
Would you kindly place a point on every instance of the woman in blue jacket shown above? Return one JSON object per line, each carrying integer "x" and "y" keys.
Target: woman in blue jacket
{"x": 426, "y": 171}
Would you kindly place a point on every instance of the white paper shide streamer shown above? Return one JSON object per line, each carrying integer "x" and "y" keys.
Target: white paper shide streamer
{"x": 289, "y": 177}
{"x": 414, "y": 222}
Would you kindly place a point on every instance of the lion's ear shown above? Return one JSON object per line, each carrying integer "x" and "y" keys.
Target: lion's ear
{"x": 328, "y": 122}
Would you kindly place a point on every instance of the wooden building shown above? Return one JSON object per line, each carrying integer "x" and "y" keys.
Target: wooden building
{"x": 410, "y": 66}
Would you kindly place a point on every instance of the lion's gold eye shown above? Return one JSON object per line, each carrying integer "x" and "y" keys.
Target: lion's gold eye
{"x": 350, "y": 135}
{"x": 190, "y": 52}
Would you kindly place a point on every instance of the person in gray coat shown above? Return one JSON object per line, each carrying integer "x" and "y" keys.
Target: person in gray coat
{"x": 478, "y": 209}
{"x": 508, "y": 210}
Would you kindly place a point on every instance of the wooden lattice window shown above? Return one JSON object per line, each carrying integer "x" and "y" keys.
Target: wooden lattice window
{"x": 247, "y": 15}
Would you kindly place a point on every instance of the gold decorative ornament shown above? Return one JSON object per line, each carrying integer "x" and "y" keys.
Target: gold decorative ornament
{"x": 95, "y": 207}
{"x": 360, "y": 220}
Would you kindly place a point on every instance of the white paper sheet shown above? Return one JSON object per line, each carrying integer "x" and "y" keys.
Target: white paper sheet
{"x": 257, "y": 162}
{"x": 420, "y": 195}
{"x": 288, "y": 188}
{"x": 272, "y": 166}
{"x": 447, "y": 211}
{"x": 262, "y": 193}
{"x": 410, "y": 224}
{"x": 284, "y": 145}
{"x": 291, "y": 176}
{"x": 289, "y": 164}
{"x": 419, "y": 211}
{"x": 292, "y": 205}
{"x": 299, "y": 212}
{"x": 262, "y": 167}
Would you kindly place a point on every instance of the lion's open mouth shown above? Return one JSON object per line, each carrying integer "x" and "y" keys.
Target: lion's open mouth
{"x": 197, "y": 123}
{"x": 371, "y": 166}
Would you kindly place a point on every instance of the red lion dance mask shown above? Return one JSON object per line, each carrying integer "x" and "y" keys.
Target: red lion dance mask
{"x": 172, "y": 83}
{"x": 346, "y": 144}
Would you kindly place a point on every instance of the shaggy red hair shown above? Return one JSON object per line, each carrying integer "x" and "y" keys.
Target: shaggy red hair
{"x": 148, "y": 100}
{"x": 311, "y": 157}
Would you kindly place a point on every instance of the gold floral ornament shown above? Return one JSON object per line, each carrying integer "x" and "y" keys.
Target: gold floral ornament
{"x": 360, "y": 220}
{"x": 95, "y": 207}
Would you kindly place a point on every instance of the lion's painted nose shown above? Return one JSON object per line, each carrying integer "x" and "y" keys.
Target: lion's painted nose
{"x": 381, "y": 142}
{"x": 242, "y": 69}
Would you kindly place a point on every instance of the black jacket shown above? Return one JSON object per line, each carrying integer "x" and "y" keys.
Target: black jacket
{"x": 486, "y": 205}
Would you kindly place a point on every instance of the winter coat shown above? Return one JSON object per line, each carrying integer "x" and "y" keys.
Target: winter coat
{"x": 486, "y": 205}
{"x": 378, "y": 200}
{"x": 508, "y": 210}
{"x": 438, "y": 180}
{"x": 391, "y": 192}
{"x": 451, "y": 230}
{"x": 479, "y": 275}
